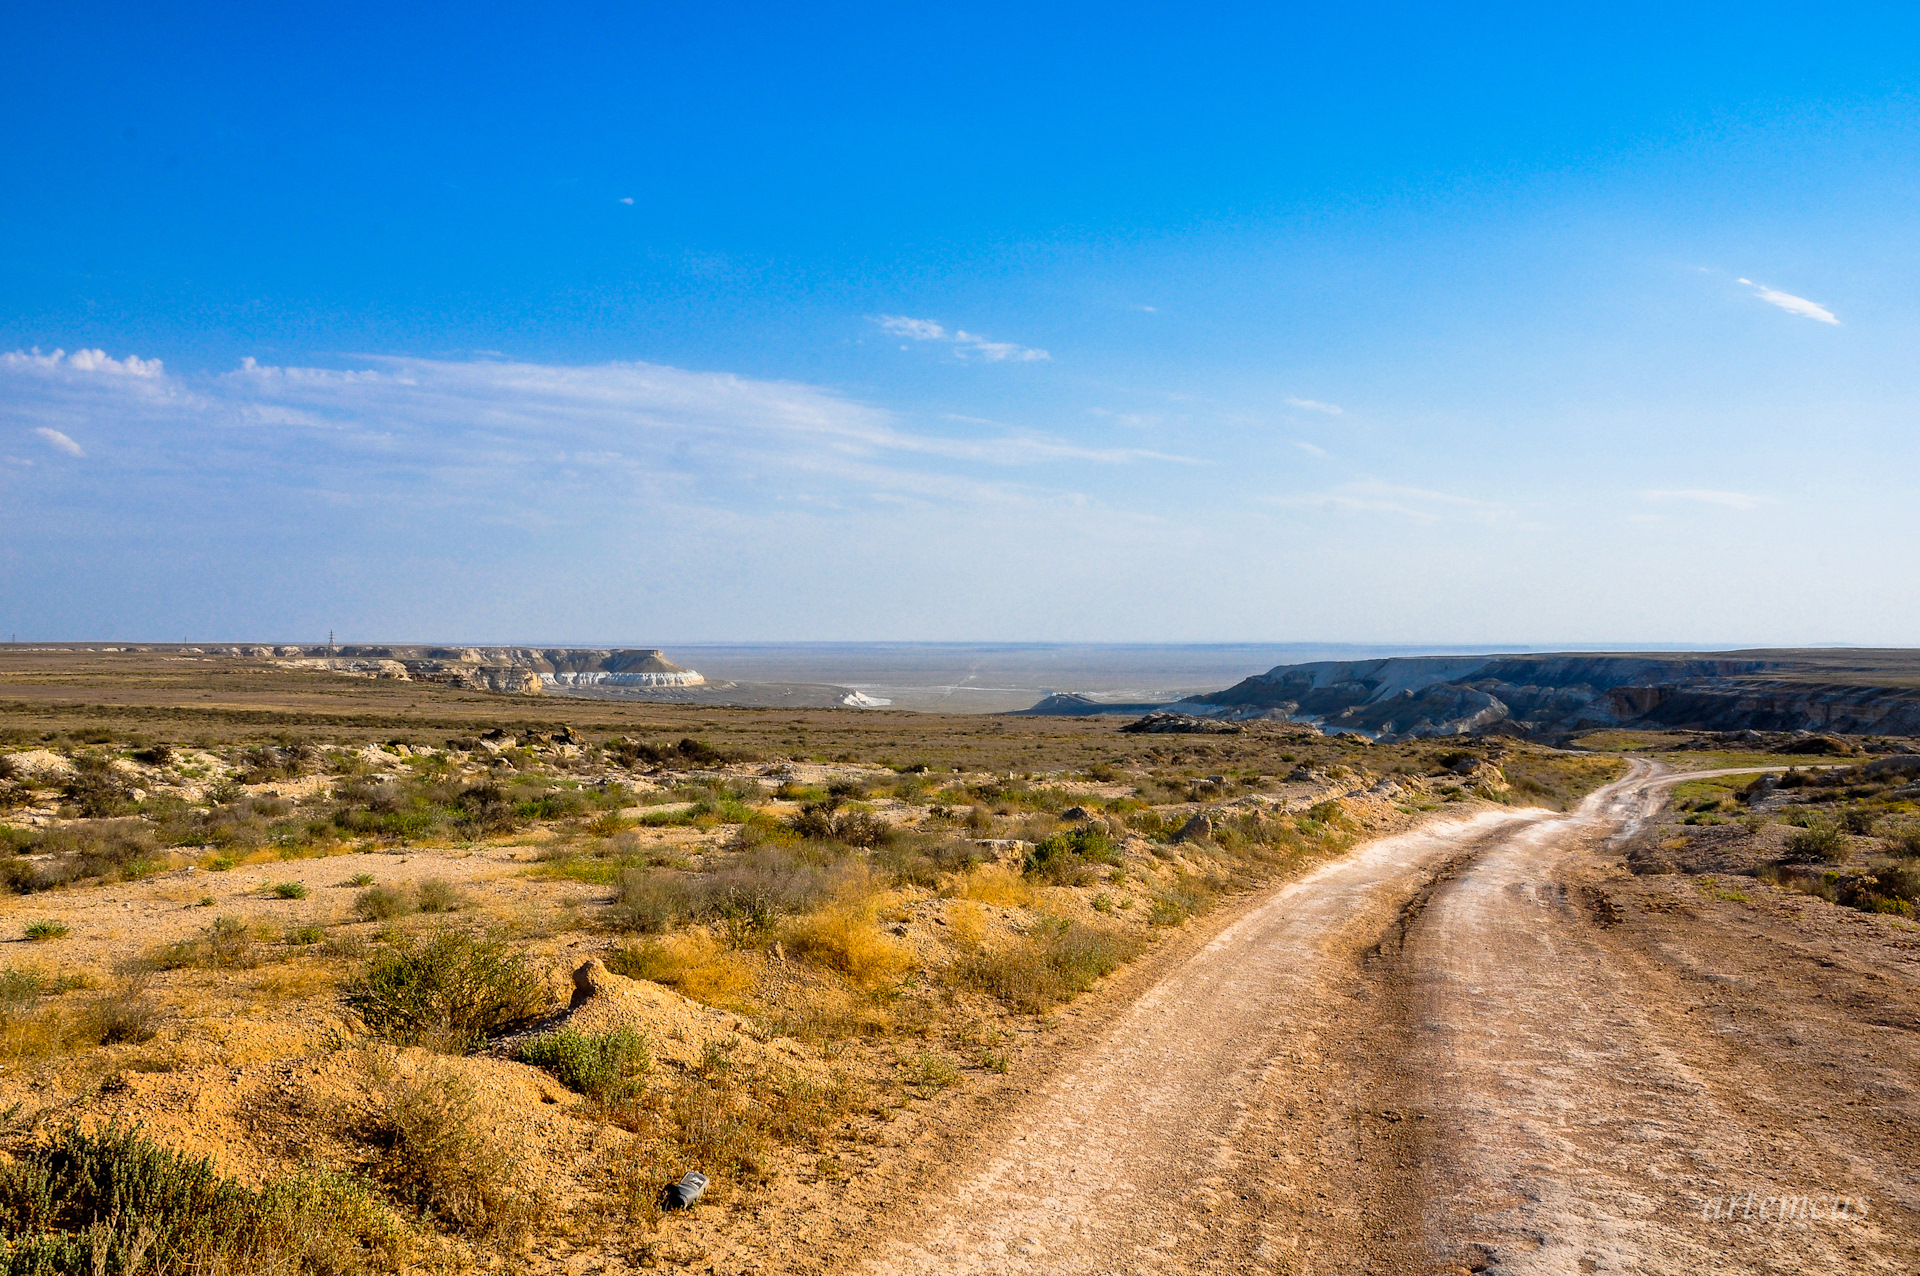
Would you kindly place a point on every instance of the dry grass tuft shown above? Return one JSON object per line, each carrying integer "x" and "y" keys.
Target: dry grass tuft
{"x": 439, "y": 1157}
{"x": 1055, "y": 963}
{"x": 693, "y": 965}
{"x": 992, "y": 884}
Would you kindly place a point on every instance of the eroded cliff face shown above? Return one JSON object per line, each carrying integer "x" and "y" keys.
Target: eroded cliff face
{"x": 508, "y": 670}
{"x": 1555, "y": 695}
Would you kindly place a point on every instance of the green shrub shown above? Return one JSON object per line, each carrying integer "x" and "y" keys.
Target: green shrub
{"x": 1818, "y": 841}
{"x": 39, "y": 932}
{"x": 1188, "y": 896}
{"x": 601, "y": 1065}
{"x": 109, "y": 848}
{"x": 116, "y": 1201}
{"x": 447, "y": 990}
{"x": 438, "y": 895}
{"x": 1065, "y": 858}
{"x": 750, "y": 894}
{"x": 289, "y": 890}
{"x": 224, "y": 944}
{"x": 381, "y": 904}
{"x": 308, "y": 934}
{"x": 1859, "y": 820}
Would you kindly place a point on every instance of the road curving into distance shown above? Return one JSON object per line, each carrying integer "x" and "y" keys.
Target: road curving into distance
{"x": 1439, "y": 1054}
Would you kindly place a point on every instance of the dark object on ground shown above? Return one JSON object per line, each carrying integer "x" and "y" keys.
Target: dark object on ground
{"x": 682, "y": 1195}
{"x": 1162, "y": 723}
{"x": 1076, "y": 813}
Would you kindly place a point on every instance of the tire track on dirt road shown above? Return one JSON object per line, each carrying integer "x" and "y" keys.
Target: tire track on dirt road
{"x": 1211, "y": 1127}
{"x": 1583, "y": 1119}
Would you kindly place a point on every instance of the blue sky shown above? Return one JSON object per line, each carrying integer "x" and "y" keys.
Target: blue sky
{"x": 643, "y": 324}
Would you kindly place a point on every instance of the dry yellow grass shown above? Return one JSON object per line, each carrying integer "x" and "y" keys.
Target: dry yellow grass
{"x": 694, "y": 965}
{"x": 992, "y": 884}
{"x": 846, "y": 938}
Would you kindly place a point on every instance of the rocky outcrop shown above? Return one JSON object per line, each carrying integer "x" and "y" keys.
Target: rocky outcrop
{"x": 507, "y": 670}
{"x": 1550, "y": 696}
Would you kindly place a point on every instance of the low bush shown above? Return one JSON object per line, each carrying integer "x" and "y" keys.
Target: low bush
{"x": 749, "y": 894}
{"x": 113, "y": 1200}
{"x": 1188, "y": 897}
{"x": 1859, "y": 821}
{"x": 600, "y": 1065}
{"x": 289, "y": 890}
{"x": 825, "y": 822}
{"x": 41, "y": 931}
{"x": 122, "y": 849}
{"x": 1818, "y": 841}
{"x": 1066, "y": 859}
{"x": 438, "y": 895}
{"x": 440, "y": 1159}
{"x": 226, "y": 943}
{"x": 381, "y": 904}
{"x": 921, "y": 860}
{"x": 1054, "y": 963}
{"x": 448, "y": 991}
{"x": 127, "y": 1016}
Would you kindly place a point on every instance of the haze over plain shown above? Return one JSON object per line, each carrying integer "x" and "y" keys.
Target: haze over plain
{"x": 1092, "y": 324}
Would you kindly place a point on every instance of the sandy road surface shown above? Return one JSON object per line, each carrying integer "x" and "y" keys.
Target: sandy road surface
{"x": 1429, "y": 1056}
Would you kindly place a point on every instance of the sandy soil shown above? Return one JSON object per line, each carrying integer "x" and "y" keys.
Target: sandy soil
{"x": 1480, "y": 1046}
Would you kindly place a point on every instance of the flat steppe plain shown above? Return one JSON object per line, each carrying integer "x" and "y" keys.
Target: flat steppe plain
{"x": 927, "y": 992}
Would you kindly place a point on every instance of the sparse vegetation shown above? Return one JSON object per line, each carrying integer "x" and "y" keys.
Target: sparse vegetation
{"x": 599, "y": 1065}
{"x": 1054, "y": 964}
{"x": 113, "y": 1200}
{"x": 447, "y": 990}
{"x": 439, "y": 1157}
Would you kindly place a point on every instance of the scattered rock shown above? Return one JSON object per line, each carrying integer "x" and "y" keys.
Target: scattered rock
{"x": 1167, "y": 723}
{"x": 1082, "y": 813}
{"x": 1194, "y": 829}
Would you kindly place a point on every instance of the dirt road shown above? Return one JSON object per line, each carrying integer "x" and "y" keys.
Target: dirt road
{"x": 1476, "y": 1047}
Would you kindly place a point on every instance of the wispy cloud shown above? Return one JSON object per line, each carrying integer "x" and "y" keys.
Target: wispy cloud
{"x": 1418, "y": 504}
{"x": 1314, "y": 405}
{"x": 1309, "y": 448}
{"x": 1792, "y": 304}
{"x": 965, "y": 344}
{"x": 528, "y": 437}
{"x": 1707, "y": 496}
{"x": 59, "y": 442}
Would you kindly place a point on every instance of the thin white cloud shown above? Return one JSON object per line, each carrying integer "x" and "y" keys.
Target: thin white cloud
{"x": 79, "y": 361}
{"x": 1309, "y": 448}
{"x": 1706, "y": 496}
{"x": 1792, "y": 304}
{"x": 917, "y": 329}
{"x": 1416, "y": 503}
{"x": 1151, "y": 310}
{"x": 1314, "y": 405}
{"x": 626, "y": 199}
{"x": 965, "y": 344}
{"x": 59, "y": 442}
